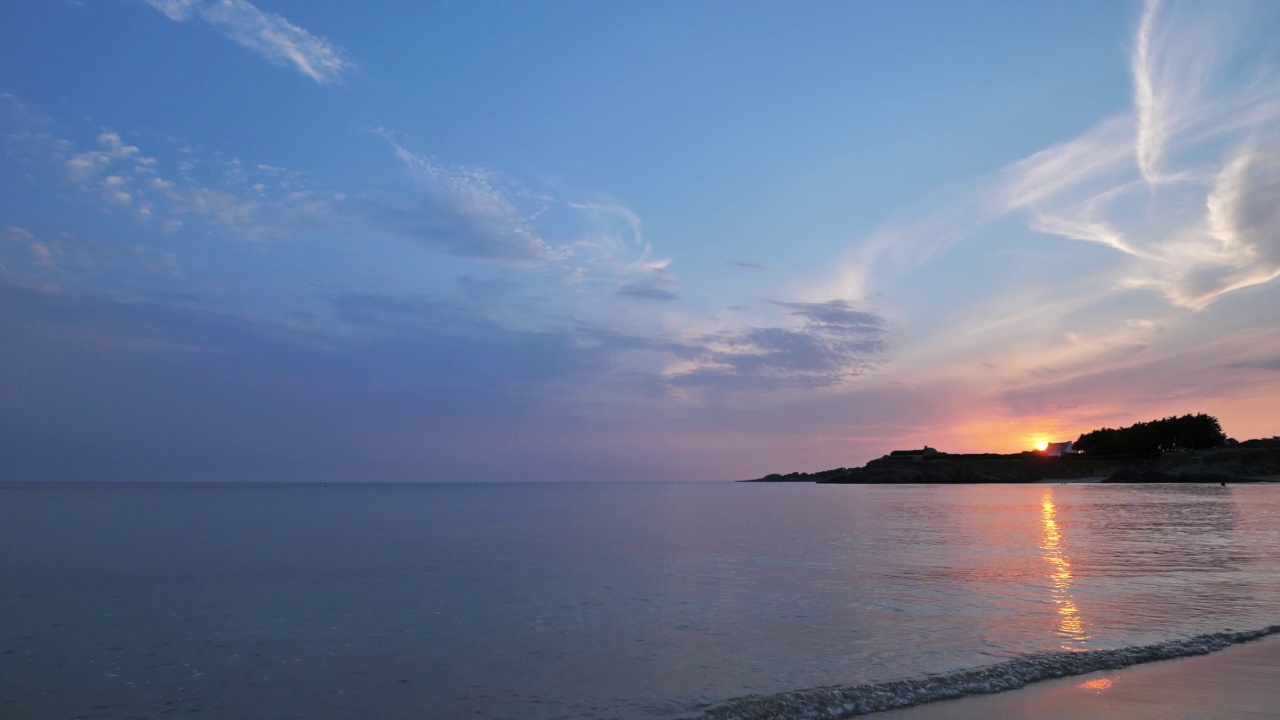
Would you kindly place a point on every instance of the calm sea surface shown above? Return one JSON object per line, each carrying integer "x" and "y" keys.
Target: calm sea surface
{"x": 590, "y": 601}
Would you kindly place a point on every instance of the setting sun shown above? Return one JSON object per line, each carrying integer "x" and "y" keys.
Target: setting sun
{"x": 1042, "y": 445}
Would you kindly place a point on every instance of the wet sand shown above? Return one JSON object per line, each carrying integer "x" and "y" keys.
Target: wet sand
{"x": 1239, "y": 683}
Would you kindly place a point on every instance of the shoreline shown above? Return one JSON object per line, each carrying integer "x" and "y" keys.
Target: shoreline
{"x": 1241, "y": 681}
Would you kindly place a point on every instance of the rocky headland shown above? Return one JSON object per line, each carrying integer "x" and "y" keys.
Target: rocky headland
{"x": 1250, "y": 461}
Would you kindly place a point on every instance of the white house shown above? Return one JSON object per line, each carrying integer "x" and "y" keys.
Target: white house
{"x": 1060, "y": 448}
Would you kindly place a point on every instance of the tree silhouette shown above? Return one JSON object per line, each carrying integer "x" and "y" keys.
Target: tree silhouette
{"x": 1172, "y": 434}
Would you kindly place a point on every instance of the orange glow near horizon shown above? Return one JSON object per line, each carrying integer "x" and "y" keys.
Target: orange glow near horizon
{"x": 1042, "y": 445}
{"x": 985, "y": 429}
{"x": 999, "y": 434}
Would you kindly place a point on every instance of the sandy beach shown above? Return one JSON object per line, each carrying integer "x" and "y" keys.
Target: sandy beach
{"x": 1241, "y": 682}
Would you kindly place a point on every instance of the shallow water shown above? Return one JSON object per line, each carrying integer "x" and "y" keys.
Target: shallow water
{"x": 591, "y": 601}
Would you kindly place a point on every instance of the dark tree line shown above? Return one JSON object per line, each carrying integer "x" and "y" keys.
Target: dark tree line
{"x": 1172, "y": 434}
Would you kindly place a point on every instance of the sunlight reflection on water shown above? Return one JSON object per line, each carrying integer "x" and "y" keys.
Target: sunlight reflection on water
{"x": 1096, "y": 685}
{"x": 1071, "y": 625}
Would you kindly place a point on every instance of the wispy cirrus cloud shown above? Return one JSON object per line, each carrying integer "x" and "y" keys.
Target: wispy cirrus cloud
{"x": 1179, "y": 186}
{"x": 1150, "y": 130}
{"x": 1242, "y": 244}
{"x": 268, "y": 34}
{"x": 826, "y": 344}
{"x": 464, "y": 211}
{"x": 38, "y": 252}
{"x": 476, "y": 213}
{"x": 193, "y": 186}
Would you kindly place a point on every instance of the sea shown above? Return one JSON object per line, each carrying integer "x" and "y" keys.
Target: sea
{"x": 641, "y": 601}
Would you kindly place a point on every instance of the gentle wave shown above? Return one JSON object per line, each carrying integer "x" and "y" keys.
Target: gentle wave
{"x": 833, "y": 702}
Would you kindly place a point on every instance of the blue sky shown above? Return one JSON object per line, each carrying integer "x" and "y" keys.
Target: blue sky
{"x": 624, "y": 241}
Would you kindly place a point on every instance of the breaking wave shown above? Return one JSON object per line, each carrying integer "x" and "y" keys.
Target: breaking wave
{"x": 832, "y": 702}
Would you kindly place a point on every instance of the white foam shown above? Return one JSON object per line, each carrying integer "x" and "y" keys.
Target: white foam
{"x": 834, "y": 702}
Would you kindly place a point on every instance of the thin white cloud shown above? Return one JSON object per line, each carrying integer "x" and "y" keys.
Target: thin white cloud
{"x": 463, "y": 211}
{"x": 1242, "y": 246}
{"x": 225, "y": 196}
{"x": 178, "y": 10}
{"x": 40, "y": 255}
{"x": 825, "y": 344}
{"x": 1150, "y": 133}
{"x": 615, "y": 238}
{"x": 39, "y": 252}
{"x": 1102, "y": 151}
{"x": 19, "y": 234}
{"x": 473, "y": 212}
{"x": 268, "y": 34}
{"x": 1085, "y": 229}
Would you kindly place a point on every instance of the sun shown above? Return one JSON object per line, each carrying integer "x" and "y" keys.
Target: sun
{"x": 1042, "y": 445}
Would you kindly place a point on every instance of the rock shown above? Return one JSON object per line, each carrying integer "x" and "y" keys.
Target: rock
{"x": 941, "y": 468}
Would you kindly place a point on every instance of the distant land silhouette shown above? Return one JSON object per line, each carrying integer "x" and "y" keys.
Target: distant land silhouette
{"x": 1191, "y": 448}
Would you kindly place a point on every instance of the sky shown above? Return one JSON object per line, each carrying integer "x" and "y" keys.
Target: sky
{"x": 293, "y": 240}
